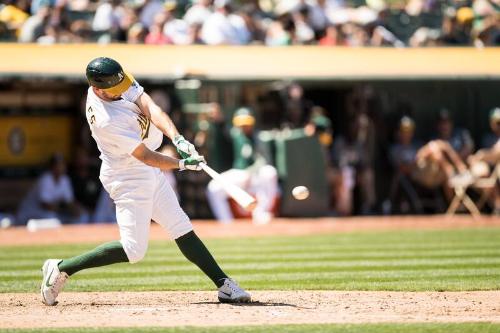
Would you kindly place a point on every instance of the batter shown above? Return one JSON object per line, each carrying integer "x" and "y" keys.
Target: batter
{"x": 128, "y": 127}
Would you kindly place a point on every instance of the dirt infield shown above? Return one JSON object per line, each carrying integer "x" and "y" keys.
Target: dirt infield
{"x": 130, "y": 309}
{"x": 271, "y": 307}
{"x": 209, "y": 229}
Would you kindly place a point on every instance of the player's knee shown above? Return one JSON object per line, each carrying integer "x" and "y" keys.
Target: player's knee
{"x": 215, "y": 188}
{"x": 136, "y": 251}
{"x": 269, "y": 173}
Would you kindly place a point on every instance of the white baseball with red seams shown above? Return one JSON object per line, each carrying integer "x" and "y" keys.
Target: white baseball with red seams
{"x": 300, "y": 192}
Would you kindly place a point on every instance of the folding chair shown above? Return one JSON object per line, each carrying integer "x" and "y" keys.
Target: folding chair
{"x": 460, "y": 184}
{"x": 487, "y": 186}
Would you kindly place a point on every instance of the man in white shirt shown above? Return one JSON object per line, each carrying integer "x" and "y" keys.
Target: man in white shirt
{"x": 198, "y": 13}
{"x": 51, "y": 197}
{"x": 224, "y": 28}
{"x": 128, "y": 126}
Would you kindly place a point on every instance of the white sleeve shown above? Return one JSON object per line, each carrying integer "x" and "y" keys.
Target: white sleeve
{"x": 67, "y": 190}
{"x": 45, "y": 189}
{"x": 133, "y": 92}
{"x": 122, "y": 140}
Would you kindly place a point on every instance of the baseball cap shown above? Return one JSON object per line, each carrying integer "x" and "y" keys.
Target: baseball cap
{"x": 243, "y": 117}
{"x": 321, "y": 122}
{"x": 406, "y": 124}
{"x": 465, "y": 15}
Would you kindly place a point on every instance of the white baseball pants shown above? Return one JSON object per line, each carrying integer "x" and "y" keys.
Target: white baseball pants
{"x": 142, "y": 194}
{"x": 262, "y": 183}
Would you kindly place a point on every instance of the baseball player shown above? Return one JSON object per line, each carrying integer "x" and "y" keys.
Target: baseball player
{"x": 250, "y": 171}
{"x": 127, "y": 127}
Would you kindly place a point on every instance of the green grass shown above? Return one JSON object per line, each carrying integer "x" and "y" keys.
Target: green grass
{"x": 330, "y": 328}
{"x": 406, "y": 261}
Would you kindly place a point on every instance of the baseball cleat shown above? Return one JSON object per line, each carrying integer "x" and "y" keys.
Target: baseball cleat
{"x": 53, "y": 281}
{"x": 231, "y": 292}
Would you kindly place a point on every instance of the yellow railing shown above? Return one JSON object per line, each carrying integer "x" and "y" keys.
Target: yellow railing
{"x": 255, "y": 62}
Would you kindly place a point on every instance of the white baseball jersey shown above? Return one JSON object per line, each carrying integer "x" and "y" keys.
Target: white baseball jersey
{"x": 118, "y": 127}
{"x": 141, "y": 193}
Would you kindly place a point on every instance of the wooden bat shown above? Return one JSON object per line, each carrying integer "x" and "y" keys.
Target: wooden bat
{"x": 243, "y": 199}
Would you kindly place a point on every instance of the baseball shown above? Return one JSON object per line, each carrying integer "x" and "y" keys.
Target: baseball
{"x": 300, "y": 192}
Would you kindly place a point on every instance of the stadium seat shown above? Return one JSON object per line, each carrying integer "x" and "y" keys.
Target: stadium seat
{"x": 460, "y": 185}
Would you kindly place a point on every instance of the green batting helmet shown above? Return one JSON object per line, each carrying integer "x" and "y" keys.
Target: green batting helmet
{"x": 107, "y": 74}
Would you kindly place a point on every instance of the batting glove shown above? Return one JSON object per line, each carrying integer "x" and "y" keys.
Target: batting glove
{"x": 191, "y": 163}
{"x": 184, "y": 147}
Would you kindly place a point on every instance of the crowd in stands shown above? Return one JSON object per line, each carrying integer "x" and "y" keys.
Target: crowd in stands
{"x": 397, "y": 23}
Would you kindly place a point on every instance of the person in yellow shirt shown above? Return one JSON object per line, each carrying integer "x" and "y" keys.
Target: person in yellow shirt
{"x": 12, "y": 16}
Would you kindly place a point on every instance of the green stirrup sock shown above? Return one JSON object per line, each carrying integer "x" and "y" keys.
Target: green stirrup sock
{"x": 196, "y": 252}
{"x": 105, "y": 254}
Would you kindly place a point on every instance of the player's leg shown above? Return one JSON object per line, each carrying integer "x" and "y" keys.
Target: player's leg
{"x": 133, "y": 211}
{"x": 265, "y": 186}
{"x": 134, "y": 234}
{"x": 217, "y": 197}
{"x": 168, "y": 213}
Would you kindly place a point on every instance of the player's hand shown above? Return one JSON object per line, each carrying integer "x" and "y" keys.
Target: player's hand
{"x": 191, "y": 163}
{"x": 184, "y": 147}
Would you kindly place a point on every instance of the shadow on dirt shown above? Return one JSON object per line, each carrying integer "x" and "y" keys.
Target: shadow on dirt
{"x": 255, "y": 303}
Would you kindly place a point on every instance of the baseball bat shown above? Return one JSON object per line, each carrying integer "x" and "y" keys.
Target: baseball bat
{"x": 243, "y": 199}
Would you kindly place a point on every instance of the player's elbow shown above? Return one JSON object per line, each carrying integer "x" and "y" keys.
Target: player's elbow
{"x": 143, "y": 154}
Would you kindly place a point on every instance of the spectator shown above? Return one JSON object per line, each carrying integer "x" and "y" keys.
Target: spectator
{"x": 13, "y": 16}
{"x": 80, "y": 31}
{"x": 490, "y": 156}
{"x": 456, "y": 26}
{"x": 281, "y": 32}
{"x": 402, "y": 156}
{"x": 199, "y": 12}
{"x": 459, "y": 139}
{"x": 108, "y": 16}
{"x": 52, "y": 35}
{"x": 36, "y": 5}
{"x": 332, "y": 37}
{"x": 254, "y": 21}
{"x": 156, "y": 35}
{"x": 149, "y": 11}
{"x": 194, "y": 34}
{"x": 425, "y": 36}
{"x": 223, "y": 27}
{"x": 321, "y": 127}
{"x": 250, "y": 171}
{"x": 286, "y": 22}
{"x": 85, "y": 182}
{"x": 136, "y": 34}
{"x": 176, "y": 30}
{"x": 127, "y": 21}
{"x": 304, "y": 32}
{"x": 354, "y": 174}
{"x": 51, "y": 197}
{"x": 318, "y": 18}
{"x": 491, "y": 138}
{"x": 437, "y": 164}
{"x": 297, "y": 107}
{"x": 34, "y": 26}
